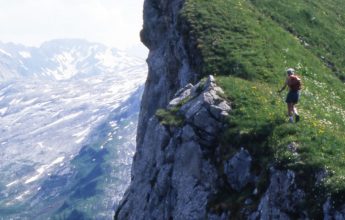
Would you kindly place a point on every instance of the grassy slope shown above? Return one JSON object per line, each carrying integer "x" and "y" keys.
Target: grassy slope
{"x": 248, "y": 45}
{"x": 319, "y": 24}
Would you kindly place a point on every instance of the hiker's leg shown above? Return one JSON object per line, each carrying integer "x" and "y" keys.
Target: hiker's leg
{"x": 296, "y": 113}
{"x": 290, "y": 111}
{"x": 295, "y": 109}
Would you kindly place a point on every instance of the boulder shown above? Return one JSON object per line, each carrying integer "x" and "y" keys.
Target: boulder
{"x": 237, "y": 170}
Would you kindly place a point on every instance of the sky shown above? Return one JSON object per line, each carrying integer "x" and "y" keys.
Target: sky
{"x": 115, "y": 23}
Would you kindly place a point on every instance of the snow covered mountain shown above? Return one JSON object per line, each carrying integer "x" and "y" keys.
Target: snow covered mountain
{"x": 68, "y": 114}
{"x": 61, "y": 60}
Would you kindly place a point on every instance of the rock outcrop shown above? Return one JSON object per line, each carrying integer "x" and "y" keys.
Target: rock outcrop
{"x": 237, "y": 170}
{"x": 282, "y": 198}
{"x": 174, "y": 172}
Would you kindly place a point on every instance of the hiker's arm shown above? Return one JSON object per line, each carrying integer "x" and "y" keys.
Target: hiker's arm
{"x": 285, "y": 84}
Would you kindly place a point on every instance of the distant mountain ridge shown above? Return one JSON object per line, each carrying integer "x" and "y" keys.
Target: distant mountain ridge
{"x": 68, "y": 116}
{"x": 61, "y": 59}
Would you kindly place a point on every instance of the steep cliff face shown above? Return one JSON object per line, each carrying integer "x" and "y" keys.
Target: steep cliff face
{"x": 172, "y": 62}
{"x": 182, "y": 169}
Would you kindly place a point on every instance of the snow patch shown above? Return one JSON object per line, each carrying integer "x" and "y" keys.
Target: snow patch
{"x": 21, "y": 196}
{"x": 3, "y": 111}
{"x": 81, "y": 135}
{"x": 4, "y": 52}
{"x": 12, "y": 183}
{"x": 108, "y": 59}
{"x": 66, "y": 118}
{"x": 113, "y": 124}
{"x": 29, "y": 102}
{"x": 40, "y": 171}
{"x": 40, "y": 145}
{"x": 16, "y": 101}
{"x": 25, "y": 54}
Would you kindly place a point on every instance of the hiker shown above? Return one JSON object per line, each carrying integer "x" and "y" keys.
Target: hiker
{"x": 294, "y": 84}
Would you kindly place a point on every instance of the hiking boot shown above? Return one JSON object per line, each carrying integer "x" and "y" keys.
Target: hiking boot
{"x": 297, "y": 118}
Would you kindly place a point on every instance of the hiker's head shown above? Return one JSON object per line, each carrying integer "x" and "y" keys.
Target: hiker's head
{"x": 290, "y": 71}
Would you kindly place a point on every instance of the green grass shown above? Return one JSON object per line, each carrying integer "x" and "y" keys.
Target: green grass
{"x": 248, "y": 45}
{"x": 169, "y": 117}
{"x": 318, "y": 23}
{"x": 172, "y": 117}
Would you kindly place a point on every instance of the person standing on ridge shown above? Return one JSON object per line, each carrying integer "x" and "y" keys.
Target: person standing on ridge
{"x": 295, "y": 85}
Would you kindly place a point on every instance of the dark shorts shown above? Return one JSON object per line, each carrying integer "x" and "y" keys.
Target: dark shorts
{"x": 292, "y": 97}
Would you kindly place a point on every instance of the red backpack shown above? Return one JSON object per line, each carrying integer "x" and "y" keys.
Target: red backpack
{"x": 294, "y": 83}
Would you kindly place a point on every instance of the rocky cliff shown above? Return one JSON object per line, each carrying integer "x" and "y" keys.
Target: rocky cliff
{"x": 180, "y": 170}
{"x": 172, "y": 62}
{"x": 174, "y": 172}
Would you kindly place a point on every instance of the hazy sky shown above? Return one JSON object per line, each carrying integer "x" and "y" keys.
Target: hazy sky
{"x": 113, "y": 22}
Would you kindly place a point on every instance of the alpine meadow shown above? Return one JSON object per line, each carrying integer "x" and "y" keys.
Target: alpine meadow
{"x": 248, "y": 45}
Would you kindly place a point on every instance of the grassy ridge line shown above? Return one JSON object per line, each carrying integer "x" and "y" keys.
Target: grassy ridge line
{"x": 249, "y": 53}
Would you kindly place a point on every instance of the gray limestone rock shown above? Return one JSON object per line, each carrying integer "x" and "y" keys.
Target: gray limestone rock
{"x": 237, "y": 170}
{"x": 329, "y": 212}
{"x": 192, "y": 107}
{"x": 339, "y": 215}
{"x": 172, "y": 61}
{"x": 224, "y": 106}
{"x": 222, "y": 216}
{"x": 208, "y": 99}
{"x": 163, "y": 179}
{"x": 203, "y": 121}
{"x": 181, "y": 92}
{"x": 173, "y": 175}
{"x": 220, "y": 111}
{"x": 181, "y": 96}
{"x": 282, "y": 198}
{"x": 188, "y": 133}
{"x": 320, "y": 176}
